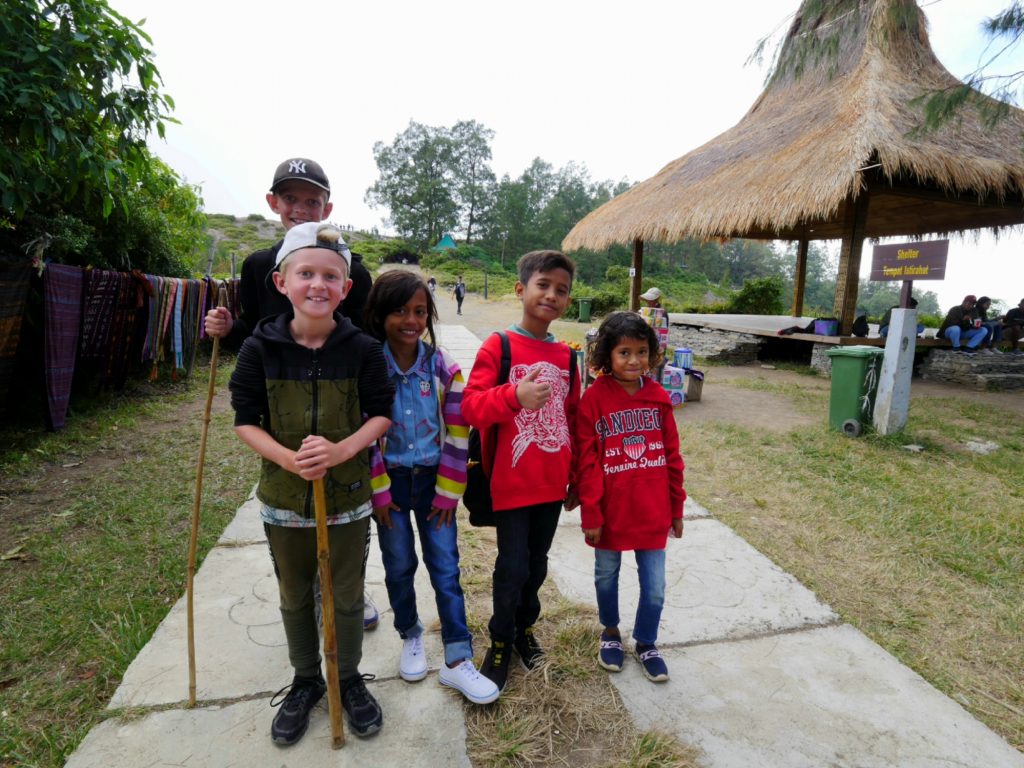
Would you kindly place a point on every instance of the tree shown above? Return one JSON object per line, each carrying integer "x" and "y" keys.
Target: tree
{"x": 415, "y": 183}
{"x": 1006, "y": 28}
{"x": 473, "y": 177}
{"x": 513, "y": 226}
{"x": 78, "y": 96}
{"x": 435, "y": 180}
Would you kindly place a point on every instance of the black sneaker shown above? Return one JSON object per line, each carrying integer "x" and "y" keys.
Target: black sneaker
{"x": 292, "y": 718}
{"x": 529, "y": 650}
{"x": 495, "y": 666}
{"x": 364, "y": 715}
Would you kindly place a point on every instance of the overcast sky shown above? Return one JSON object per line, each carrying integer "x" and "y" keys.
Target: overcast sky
{"x": 623, "y": 88}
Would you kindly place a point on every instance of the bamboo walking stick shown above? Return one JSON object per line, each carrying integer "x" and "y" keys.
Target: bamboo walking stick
{"x": 194, "y": 536}
{"x": 323, "y": 556}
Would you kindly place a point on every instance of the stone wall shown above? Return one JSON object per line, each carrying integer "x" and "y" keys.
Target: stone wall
{"x": 820, "y": 361}
{"x": 720, "y": 346}
{"x": 978, "y": 371}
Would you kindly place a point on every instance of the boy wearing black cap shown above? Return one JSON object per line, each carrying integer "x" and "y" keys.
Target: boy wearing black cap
{"x": 311, "y": 396}
{"x": 300, "y": 192}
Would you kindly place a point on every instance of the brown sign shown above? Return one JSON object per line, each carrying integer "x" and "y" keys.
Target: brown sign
{"x": 910, "y": 261}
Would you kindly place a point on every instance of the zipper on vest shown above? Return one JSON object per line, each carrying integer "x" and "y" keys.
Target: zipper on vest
{"x": 314, "y": 376}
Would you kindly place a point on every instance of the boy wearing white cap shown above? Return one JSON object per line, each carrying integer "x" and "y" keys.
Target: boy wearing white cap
{"x": 300, "y": 192}
{"x": 311, "y": 396}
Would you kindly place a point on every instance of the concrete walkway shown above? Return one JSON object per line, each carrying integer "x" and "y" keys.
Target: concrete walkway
{"x": 763, "y": 673}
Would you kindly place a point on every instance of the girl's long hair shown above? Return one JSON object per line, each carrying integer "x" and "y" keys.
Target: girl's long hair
{"x": 618, "y": 326}
{"x": 391, "y": 291}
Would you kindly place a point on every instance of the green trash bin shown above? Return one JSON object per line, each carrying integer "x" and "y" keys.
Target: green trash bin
{"x": 585, "y": 302}
{"x": 855, "y": 371}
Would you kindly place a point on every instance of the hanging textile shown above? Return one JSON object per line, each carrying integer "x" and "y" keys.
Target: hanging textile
{"x": 62, "y": 313}
{"x": 209, "y": 302}
{"x": 98, "y": 306}
{"x": 198, "y": 312}
{"x": 14, "y": 276}
{"x": 178, "y": 302}
{"x": 122, "y": 323}
{"x": 166, "y": 321}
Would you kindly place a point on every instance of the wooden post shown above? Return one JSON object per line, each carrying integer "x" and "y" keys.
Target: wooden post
{"x": 854, "y": 225}
{"x": 906, "y": 292}
{"x": 193, "y": 539}
{"x": 800, "y": 277}
{"x": 638, "y": 273}
{"x": 323, "y": 557}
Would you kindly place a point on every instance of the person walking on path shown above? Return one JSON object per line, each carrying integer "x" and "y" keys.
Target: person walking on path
{"x": 628, "y": 449}
{"x": 425, "y": 454}
{"x": 459, "y": 292}
{"x": 311, "y": 396}
{"x": 961, "y": 324}
{"x": 300, "y": 192}
{"x": 531, "y": 454}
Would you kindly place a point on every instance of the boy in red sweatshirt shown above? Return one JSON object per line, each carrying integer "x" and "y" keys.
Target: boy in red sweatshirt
{"x": 531, "y": 454}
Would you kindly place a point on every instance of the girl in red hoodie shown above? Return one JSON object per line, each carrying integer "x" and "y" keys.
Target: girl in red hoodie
{"x": 630, "y": 482}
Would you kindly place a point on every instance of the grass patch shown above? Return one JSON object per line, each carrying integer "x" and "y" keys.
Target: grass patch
{"x": 565, "y": 712}
{"x": 99, "y": 516}
{"x": 924, "y": 552}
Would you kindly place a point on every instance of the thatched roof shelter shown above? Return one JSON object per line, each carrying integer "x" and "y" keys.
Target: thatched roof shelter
{"x": 839, "y": 124}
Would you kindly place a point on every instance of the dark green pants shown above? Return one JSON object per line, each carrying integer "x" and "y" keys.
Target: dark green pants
{"x": 293, "y": 551}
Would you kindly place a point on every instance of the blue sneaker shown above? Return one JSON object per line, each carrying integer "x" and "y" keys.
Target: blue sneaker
{"x": 611, "y": 656}
{"x": 652, "y": 664}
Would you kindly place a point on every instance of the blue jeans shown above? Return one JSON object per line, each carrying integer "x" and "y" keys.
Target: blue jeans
{"x": 412, "y": 490}
{"x": 524, "y": 538}
{"x": 650, "y": 566}
{"x": 975, "y": 335}
{"x": 995, "y": 332}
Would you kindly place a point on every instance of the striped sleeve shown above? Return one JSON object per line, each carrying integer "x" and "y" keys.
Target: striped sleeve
{"x": 380, "y": 483}
{"x": 451, "y": 474}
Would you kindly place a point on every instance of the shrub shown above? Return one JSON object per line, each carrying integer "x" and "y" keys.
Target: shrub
{"x": 762, "y": 296}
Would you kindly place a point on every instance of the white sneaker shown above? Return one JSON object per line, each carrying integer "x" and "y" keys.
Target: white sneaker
{"x": 413, "y": 664}
{"x": 469, "y": 682}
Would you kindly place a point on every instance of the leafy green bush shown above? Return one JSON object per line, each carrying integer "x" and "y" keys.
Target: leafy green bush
{"x": 378, "y": 251}
{"x": 761, "y": 296}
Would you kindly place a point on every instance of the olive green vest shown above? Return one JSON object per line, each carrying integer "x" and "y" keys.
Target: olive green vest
{"x": 331, "y": 410}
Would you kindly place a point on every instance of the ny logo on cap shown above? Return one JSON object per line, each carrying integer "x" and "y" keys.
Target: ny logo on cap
{"x": 296, "y": 166}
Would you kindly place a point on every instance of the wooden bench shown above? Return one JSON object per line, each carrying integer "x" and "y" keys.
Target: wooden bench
{"x": 849, "y": 341}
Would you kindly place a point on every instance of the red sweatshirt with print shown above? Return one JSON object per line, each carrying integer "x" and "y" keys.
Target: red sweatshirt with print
{"x": 532, "y": 455}
{"x": 629, "y": 469}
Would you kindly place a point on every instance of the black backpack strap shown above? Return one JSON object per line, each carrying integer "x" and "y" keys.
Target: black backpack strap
{"x": 506, "y": 357}
{"x": 572, "y": 367}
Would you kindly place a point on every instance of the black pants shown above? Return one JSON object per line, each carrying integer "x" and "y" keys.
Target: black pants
{"x": 524, "y": 538}
{"x": 458, "y": 300}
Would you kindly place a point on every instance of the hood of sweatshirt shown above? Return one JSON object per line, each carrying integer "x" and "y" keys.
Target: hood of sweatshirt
{"x": 275, "y": 330}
